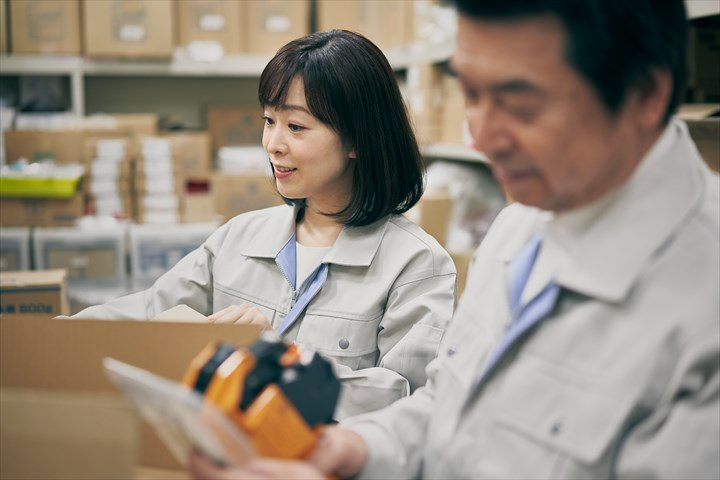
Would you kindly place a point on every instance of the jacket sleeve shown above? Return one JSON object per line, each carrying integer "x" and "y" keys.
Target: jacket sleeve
{"x": 680, "y": 439}
{"x": 415, "y": 318}
{"x": 189, "y": 282}
{"x": 395, "y": 436}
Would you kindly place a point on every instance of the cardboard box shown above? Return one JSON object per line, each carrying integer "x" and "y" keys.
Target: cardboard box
{"x": 435, "y": 209}
{"x": 387, "y": 23}
{"x": 135, "y": 124}
{"x": 34, "y": 292}
{"x": 3, "y": 27}
{"x": 45, "y": 26}
{"x": 54, "y": 356}
{"x": 198, "y": 200}
{"x": 462, "y": 261}
{"x": 59, "y": 435}
{"x": 128, "y": 28}
{"x": 703, "y": 122}
{"x": 453, "y": 111}
{"x": 65, "y": 146}
{"x": 235, "y": 126}
{"x": 43, "y": 212}
{"x": 235, "y": 194}
{"x": 192, "y": 153}
{"x": 220, "y": 21}
{"x": 273, "y": 23}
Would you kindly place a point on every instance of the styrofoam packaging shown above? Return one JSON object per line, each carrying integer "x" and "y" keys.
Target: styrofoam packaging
{"x": 163, "y": 185}
{"x": 110, "y": 148}
{"x": 101, "y": 186}
{"x": 102, "y": 168}
{"x": 161, "y": 216}
{"x": 109, "y": 204}
{"x": 93, "y": 256}
{"x": 158, "y": 165}
{"x": 161, "y": 201}
{"x": 154, "y": 146}
{"x": 15, "y": 248}
{"x": 155, "y": 249}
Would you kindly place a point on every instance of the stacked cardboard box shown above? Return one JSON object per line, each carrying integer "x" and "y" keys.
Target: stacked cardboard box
{"x": 128, "y": 28}
{"x": 387, "y": 23}
{"x": 220, "y": 22}
{"x": 34, "y": 292}
{"x": 273, "y": 23}
{"x": 45, "y": 26}
{"x": 425, "y": 101}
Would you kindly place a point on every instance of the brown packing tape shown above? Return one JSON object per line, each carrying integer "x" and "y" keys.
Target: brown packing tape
{"x": 65, "y": 355}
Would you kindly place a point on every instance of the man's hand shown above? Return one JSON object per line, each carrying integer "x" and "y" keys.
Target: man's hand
{"x": 243, "y": 314}
{"x": 339, "y": 452}
{"x": 202, "y": 467}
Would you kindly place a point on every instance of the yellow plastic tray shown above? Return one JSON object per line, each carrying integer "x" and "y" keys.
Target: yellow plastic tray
{"x": 38, "y": 187}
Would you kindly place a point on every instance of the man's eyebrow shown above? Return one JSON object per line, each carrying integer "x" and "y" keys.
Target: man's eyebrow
{"x": 516, "y": 86}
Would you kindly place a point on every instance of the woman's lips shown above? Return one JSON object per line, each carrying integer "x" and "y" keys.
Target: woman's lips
{"x": 283, "y": 172}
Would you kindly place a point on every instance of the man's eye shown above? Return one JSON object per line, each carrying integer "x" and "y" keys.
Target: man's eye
{"x": 267, "y": 120}
{"x": 295, "y": 128}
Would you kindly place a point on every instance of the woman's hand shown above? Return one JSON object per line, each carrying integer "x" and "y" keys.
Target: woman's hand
{"x": 243, "y": 314}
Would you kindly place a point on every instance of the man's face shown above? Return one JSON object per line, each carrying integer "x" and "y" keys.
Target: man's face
{"x": 550, "y": 140}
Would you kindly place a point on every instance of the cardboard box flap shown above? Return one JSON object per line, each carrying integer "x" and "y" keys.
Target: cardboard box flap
{"x": 61, "y": 435}
{"x": 66, "y": 356}
{"x": 32, "y": 278}
{"x": 698, "y": 111}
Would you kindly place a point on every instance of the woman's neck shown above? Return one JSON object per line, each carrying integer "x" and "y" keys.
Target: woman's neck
{"x": 317, "y": 230}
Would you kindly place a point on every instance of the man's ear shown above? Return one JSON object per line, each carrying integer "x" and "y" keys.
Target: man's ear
{"x": 654, "y": 98}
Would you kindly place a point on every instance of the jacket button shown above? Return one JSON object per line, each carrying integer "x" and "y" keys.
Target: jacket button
{"x": 344, "y": 343}
{"x": 453, "y": 350}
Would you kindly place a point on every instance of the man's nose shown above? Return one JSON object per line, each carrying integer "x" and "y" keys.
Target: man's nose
{"x": 488, "y": 130}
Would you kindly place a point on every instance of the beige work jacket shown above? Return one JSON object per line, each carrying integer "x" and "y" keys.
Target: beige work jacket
{"x": 621, "y": 380}
{"x": 380, "y": 315}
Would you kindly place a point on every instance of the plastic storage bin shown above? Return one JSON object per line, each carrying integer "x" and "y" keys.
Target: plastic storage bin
{"x": 93, "y": 258}
{"x": 14, "y": 248}
{"x": 154, "y": 249}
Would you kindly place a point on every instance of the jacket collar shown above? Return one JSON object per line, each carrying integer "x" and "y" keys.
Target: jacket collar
{"x": 355, "y": 246}
{"x": 609, "y": 257}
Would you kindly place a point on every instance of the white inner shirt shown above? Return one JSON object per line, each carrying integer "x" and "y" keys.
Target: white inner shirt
{"x": 308, "y": 259}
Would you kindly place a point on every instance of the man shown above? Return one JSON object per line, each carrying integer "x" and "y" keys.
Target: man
{"x": 604, "y": 360}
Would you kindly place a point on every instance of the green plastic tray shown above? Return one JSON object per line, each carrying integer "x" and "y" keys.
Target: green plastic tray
{"x": 38, "y": 187}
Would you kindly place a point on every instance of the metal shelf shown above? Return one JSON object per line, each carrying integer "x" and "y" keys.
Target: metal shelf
{"x": 448, "y": 151}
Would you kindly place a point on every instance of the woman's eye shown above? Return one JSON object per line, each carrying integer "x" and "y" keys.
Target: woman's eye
{"x": 267, "y": 120}
{"x": 295, "y": 128}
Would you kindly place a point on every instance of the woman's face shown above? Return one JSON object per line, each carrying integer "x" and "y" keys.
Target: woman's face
{"x": 308, "y": 157}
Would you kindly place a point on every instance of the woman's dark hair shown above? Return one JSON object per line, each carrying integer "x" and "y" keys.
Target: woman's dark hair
{"x": 350, "y": 86}
{"x": 614, "y": 44}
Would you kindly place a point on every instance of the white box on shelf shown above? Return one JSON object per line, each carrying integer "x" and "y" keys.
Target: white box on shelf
{"x": 14, "y": 248}
{"x": 94, "y": 258}
{"x": 154, "y": 249}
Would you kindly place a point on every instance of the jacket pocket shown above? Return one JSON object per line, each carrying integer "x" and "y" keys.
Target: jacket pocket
{"x": 351, "y": 342}
{"x": 559, "y": 411}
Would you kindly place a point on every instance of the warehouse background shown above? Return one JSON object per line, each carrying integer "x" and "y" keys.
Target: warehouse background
{"x": 131, "y": 130}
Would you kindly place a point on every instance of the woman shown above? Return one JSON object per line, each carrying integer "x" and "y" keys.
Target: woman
{"x": 338, "y": 269}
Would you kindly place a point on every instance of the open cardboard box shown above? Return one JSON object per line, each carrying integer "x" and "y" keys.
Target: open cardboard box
{"x": 69, "y": 421}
